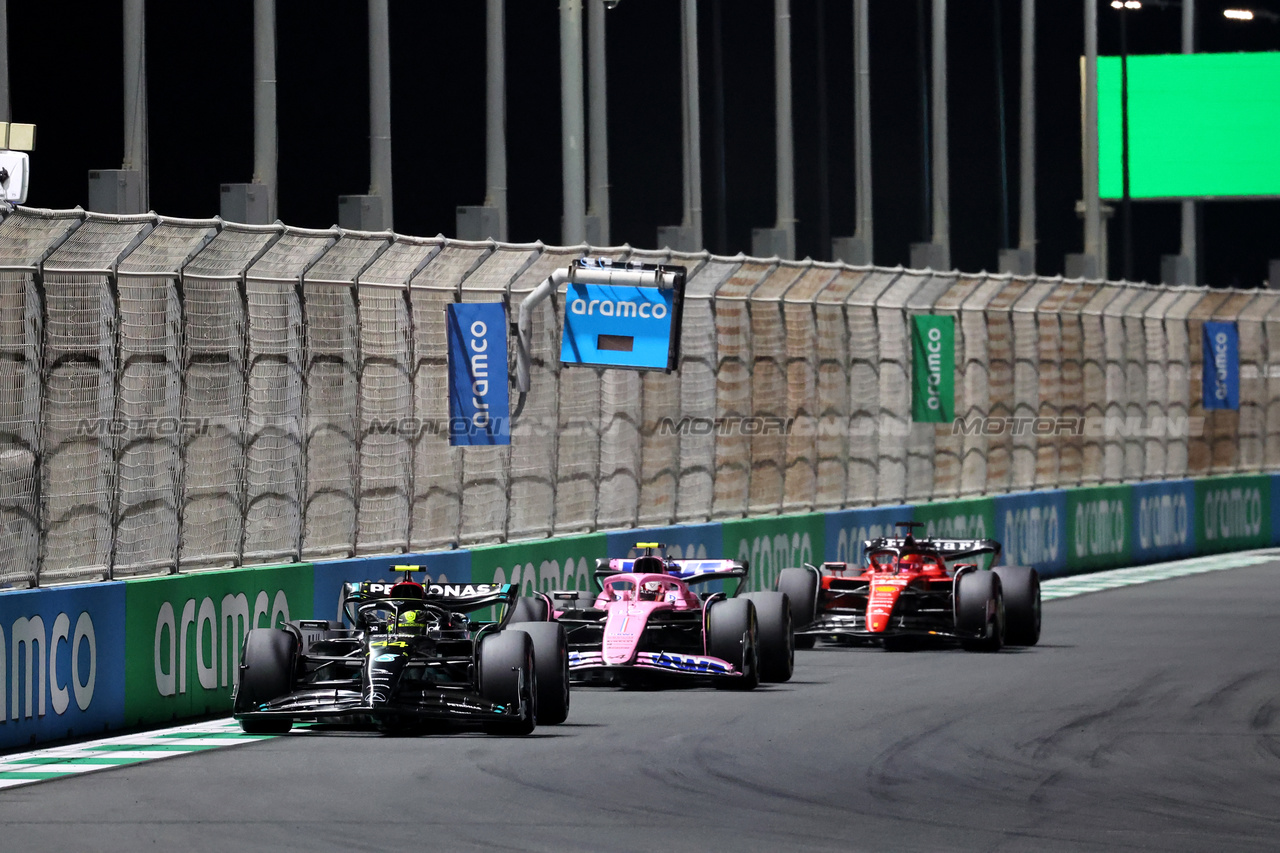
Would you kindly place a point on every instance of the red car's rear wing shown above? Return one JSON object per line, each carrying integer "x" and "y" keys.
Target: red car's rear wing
{"x": 947, "y": 549}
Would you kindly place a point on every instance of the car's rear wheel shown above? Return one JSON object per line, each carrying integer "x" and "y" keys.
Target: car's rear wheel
{"x": 507, "y": 676}
{"x": 1020, "y": 586}
{"x": 266, "y": 672}
{"x": 731, "y": 636}
{"x": 776, "y": 638}
{"x": 801, "y": 589}
{"x": 980, "y": 611}
{"x": 551, "y": 663}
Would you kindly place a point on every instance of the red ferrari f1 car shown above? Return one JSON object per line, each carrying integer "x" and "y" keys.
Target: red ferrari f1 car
{"x": 912, "y": 591}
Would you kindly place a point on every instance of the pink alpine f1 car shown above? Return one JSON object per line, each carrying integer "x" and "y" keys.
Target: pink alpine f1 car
{"x": 647, "y": 623}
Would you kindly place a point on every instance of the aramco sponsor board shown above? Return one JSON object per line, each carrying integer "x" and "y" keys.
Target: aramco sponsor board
{"x": 772, "y": 544}
{"x": 1032, "y": 529}
{"x": 1163, "y": 524}
{"x": 183, "y": 635}
{"x": 1098, "y": 532}
{"x": 1233, "y": 513}
{"x": 61, "y": 667}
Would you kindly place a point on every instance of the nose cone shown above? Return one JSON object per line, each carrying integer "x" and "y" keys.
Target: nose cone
{"x": 622, "y": 630}
{"x": 880, "y": 601}
{"x": 382, "y": 676}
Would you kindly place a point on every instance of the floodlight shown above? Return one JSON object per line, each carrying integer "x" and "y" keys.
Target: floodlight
{"x": 15, "y": 169}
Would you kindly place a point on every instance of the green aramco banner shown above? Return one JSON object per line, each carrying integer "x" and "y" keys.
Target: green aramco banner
{"x": 933, "y": 378}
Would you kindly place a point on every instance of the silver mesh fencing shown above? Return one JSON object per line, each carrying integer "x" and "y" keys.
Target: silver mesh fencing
{"x": 25, "y": 242}
{"x": 387, "y": 431}
{"x": 277, "y": 433}
{"x": 331, "y": 379}
{"x": 148, "y": 423}
{"x": 214, "y": 396}
{"x": 177, "y": 395}
{"x": 437, "y": 508}
{"x": 77, "y": 441}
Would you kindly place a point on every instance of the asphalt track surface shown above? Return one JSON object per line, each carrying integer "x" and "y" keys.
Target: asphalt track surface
{"x": 1147, "y": 719}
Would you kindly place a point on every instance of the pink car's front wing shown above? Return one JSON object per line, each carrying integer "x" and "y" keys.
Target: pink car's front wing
{"x": 700, "y": 665}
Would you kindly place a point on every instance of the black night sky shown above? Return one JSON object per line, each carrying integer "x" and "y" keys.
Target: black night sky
{"x": 66, "y": 76}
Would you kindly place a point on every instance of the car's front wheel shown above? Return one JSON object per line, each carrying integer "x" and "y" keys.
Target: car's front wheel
{"x": 551, "y": 663}
{"x": 1020, "y": 586}
{"x": 266, "y": 673}
{"x": 980, "y": 611}
{"x": 731, "y": 636}
{"x": 507, "y": 677}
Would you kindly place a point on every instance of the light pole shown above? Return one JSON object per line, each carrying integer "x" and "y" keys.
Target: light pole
{"x": 1126, "y": 213}
{"x": 572, "y": 109}
{"x": 1273, "y": 268}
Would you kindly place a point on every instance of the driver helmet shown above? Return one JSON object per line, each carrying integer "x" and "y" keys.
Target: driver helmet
{"x": 651, "y": 590}
{"x": 413, "y": 621}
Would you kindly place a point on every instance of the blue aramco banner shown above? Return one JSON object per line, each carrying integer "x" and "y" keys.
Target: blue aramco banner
{"x": 1031, "y": 527}
{"x": 1221, "y": 366}
{"x": 1163, "y": 523}
{"x": 479, "y": 401}
{"x": 847, "y": 530}
{"x": 61, "y": 662}
{"x": 618, "y": 326}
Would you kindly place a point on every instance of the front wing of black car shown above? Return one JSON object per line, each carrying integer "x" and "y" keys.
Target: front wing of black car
{"x": 340, "y": 705}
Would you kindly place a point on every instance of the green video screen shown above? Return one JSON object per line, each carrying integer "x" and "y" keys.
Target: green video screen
{"x": 1201, "y": 125}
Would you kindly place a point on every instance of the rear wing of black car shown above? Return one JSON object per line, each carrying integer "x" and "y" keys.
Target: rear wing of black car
{"x": 456, "y": 597}
{"x": 947, "y": 549}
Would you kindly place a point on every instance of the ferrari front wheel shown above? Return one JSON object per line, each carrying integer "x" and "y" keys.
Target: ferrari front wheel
{"x": 980, "y": 611}
{"x": 801, "y": 588}
{"x": 1020, "y": 586}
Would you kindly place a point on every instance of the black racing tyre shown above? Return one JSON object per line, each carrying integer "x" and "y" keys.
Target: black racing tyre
{"x": 551, "y": 663}
{"x": 505, "y": 670}
{"x": 1020, "y": 586}
{"x": 266, "y": 673}
{"x": 801, "y": 587}
{"x": 980, "y": 609}
{"x": 805, "y": 641}
{"x": 731, "y": 636}
{"x": 529, "y": 608}
{"x": 775, "y": 638}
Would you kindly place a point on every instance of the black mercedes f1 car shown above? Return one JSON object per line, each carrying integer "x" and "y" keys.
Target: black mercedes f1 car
{"x": 402, "y": 656}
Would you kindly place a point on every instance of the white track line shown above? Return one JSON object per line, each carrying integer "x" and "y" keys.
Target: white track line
{"x": 1099, "y": 581}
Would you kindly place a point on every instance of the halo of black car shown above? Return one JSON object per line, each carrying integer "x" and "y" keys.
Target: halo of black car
{"x": 914, "y": 591}
{"x": 403, "y": 657}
